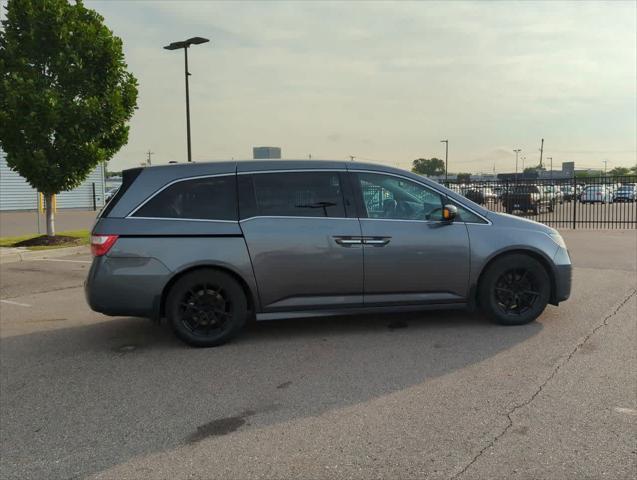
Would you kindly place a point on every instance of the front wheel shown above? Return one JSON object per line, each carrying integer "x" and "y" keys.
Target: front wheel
{"x": 206, "y": 308}
{"x": 514, "y": 290}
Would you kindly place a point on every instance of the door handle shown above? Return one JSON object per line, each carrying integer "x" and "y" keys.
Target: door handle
{"x": 377, "y": 242}
{"x": 347, "y": 241}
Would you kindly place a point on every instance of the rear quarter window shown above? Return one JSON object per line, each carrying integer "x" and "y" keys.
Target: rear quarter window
{"x": 210, "y": 198}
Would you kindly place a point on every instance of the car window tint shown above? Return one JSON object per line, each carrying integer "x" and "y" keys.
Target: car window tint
{"x": 212, "y": 198}
{"x": 302, "y": 194}
{"x": 389, "y": 197}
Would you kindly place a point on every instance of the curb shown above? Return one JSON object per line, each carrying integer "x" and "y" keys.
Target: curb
{"x": 20, "y": 255}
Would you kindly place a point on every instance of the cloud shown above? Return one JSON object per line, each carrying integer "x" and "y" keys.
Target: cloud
{"x": 384, "y": 80}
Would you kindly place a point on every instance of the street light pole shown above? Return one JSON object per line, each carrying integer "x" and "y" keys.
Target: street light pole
{"x": 187, "y": 74}
{"x": 517, "y": 152}
{"x": 446, "y": 142}
{"x": 185, "y": 45}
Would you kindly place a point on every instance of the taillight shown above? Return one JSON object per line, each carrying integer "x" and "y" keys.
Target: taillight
{"x": 101, "y": 244}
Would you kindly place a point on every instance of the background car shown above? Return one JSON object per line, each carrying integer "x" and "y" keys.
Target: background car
{"x": 527, "y": 197}
{"x": 625, "y": 193}
{"x": 596, "y": 194}
{"x": 568, "y": 192}
{"x": 110, "y": 193}
{"x": 553, "y": 193}
{"x": 480, "y": 195}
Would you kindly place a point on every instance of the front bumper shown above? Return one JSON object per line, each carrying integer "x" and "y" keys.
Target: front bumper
{"x": 562, "y": 274}
{"x": 563, "y": 282}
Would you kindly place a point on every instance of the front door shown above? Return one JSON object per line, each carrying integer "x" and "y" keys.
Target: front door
{"x": 411, "y": 256}
{"x": 303, "y": 238}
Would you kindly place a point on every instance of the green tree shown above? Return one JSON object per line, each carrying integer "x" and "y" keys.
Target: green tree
{"x": 429, "y": 167}
{"x": 463, "y": 177}
{"x": 65, "y": 94}
{"x": 619, "y": 171}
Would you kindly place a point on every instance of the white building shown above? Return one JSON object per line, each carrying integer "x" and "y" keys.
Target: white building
{"x": 17, "y": 194}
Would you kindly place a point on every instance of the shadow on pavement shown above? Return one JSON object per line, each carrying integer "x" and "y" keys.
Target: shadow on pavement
{"x": 80, "y": 400}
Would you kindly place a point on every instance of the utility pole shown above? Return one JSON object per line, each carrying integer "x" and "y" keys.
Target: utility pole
{"x": 446, "y": 142}
{"x": 605, "y": 162}
{"x": 149, "y": 153}
{"x": 551, "y": 160}
{"x": 517, "y": 152}
{"x": 309, "y": 156}
{"x": 523, "y": 158}
{"x": 541, "y": 152}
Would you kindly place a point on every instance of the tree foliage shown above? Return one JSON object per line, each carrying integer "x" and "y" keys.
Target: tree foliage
{"x": 619, "y": 171}
{"x": 430, "y": 167}
{"x": 65, "y": 93}
{"x": 463, "y": 177}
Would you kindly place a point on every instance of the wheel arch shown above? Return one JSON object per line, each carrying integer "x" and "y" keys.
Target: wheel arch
{"x": 541, "y": 258}
{"x": 250, "y": 296}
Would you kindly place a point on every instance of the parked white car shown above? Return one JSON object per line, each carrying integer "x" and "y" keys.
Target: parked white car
{"x": 596, "y": 194}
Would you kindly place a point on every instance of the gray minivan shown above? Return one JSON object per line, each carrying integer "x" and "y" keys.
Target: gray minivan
{"x": 209, "y": 245}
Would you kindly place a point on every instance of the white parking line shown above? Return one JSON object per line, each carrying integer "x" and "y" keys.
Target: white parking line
{"x": 15, "y": 303}
{"x": 60, "y": 260}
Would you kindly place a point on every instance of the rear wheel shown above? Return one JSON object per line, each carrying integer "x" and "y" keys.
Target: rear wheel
{"x": 206, "y": 308}
{"x": 514, "y": 290}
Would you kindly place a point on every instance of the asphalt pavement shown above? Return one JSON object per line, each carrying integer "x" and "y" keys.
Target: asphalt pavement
{"x": 429, "y": 395}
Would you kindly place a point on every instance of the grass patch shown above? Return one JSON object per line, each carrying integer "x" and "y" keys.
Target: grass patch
{"x": 72, "y": 238}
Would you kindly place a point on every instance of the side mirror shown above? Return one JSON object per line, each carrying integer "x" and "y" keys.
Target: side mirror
{"x": 449, "y": 213}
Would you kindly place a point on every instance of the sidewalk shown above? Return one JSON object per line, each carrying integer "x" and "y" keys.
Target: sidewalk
{"x": 11, "y": 255}
{"x": 13, "y": 224}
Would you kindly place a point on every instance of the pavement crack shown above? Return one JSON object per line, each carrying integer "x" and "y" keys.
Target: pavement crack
{"x": 538, "y": 390}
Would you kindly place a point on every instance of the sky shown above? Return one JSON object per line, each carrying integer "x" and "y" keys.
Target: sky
{"x": 384, "y": 82}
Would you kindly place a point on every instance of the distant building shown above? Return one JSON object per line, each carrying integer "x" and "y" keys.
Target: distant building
{"x": 567, "y": 171}
{"x": 259, "y": 153}
{"x": 17, "y": 194}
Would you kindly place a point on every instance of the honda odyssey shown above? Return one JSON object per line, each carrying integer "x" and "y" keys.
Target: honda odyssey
{"x": 207, "y": 246}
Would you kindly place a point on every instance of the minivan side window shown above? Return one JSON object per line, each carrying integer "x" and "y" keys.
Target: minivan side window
{"x": 296, "y": 194}
{"x": 208, "y": 198}
{"x": 390, "y": 197}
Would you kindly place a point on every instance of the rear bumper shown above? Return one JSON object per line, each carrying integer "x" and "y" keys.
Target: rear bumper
{"x": 120, "y": 286}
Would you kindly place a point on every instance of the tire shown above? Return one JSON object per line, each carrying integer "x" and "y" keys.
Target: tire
{"x": 497, "y": 298}
{"x": 206, "y": 308}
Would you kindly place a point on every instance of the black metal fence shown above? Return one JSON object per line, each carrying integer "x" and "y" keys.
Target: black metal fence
{"x": 590, "y": 202}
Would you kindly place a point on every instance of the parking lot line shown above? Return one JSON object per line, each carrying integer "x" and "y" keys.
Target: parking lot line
{"x": 59, "y": 260}
{"x": 15, "y": 303}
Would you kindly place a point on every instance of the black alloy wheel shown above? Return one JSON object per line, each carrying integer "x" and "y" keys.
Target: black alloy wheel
{"x": 514, "y": 289}
{"x": 206, "y": 307}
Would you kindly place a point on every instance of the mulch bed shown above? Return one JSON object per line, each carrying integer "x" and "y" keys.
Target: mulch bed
{"x": 44, "y": 240}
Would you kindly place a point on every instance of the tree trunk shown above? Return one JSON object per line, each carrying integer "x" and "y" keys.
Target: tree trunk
{"x": 50, "y": 219}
